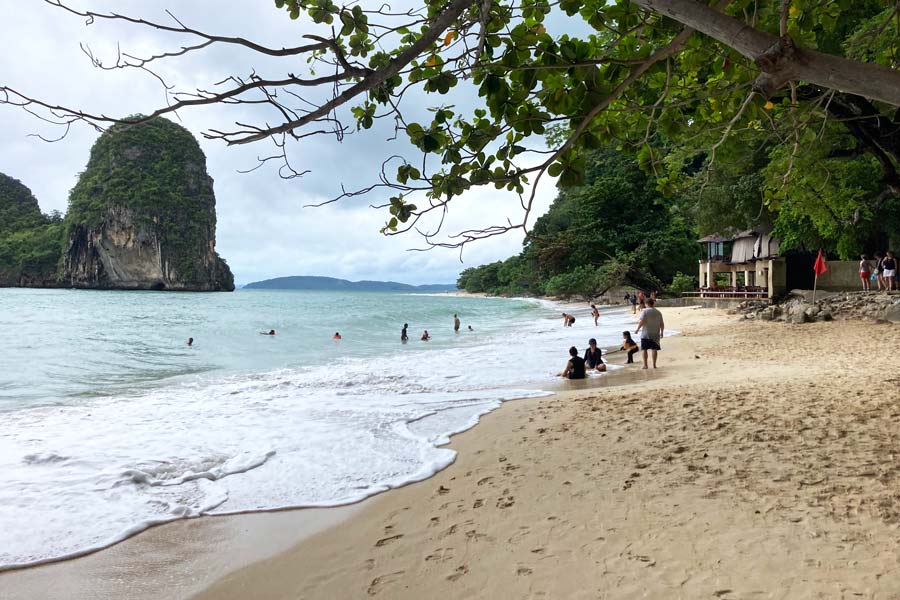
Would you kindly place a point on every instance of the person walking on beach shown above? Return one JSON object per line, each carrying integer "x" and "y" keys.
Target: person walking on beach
{"x": 879, "y": 270}
{"x": 890, "y": 270}
{"x": 595, "y": 313}
{"x": 456, "y": 323}
{"x": 653, "y": 327}
{"x": 629, "y": 346}
{"x": 634, "y": 303}
{"x": 575, "y": 367}
{"x": 593, "y": 356}
{"x": 864, "y": 274}
{"x": 403, "y": 336}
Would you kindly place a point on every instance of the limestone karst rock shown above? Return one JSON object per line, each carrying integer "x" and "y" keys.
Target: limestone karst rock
{"x": 143, "y": 214}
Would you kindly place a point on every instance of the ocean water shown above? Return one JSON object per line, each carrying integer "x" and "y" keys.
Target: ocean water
{"x": 110, "y": 423}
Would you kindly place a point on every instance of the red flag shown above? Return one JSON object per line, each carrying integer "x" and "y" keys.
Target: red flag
{"x": 821, "y": 266}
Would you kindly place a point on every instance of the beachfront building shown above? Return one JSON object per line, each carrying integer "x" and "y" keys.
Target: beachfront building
{"x": 742, "y": 265}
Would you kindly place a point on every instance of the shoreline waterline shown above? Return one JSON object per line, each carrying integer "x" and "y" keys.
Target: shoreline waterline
{"x": 109, "y": 555}
{"x": 429, "y": 426}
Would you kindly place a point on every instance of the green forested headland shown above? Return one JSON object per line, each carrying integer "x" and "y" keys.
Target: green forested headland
{"x": 31, "y": 243}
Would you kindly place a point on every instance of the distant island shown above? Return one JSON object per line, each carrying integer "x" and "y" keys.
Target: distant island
{"x": 302, "y": 282}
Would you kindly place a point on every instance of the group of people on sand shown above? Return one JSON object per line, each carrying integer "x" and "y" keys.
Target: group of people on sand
{"x": 404, "y": 335}
{"x": 883, "y": 270}
{"x": 638, "y": 300}
{"x": 651, "y": 326}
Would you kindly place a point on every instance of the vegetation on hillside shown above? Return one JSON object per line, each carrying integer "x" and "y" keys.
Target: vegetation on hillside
{"x": 613, "y": 229}
{"x": 31, "y": 243}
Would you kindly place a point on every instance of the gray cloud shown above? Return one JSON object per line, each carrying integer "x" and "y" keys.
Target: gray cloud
{"x": 263, "y": 231}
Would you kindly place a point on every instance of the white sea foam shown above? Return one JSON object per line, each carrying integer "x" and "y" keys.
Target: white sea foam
{"x": 82, "y": 476}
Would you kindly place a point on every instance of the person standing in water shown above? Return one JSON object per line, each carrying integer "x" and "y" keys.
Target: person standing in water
{"x": 456, "y": 323}
{"x": 653, "y": 328}
{"x": 190, "y": 341}
{"x": 425, "y": 336}
{"x": 595, "y": 313}
{"x": 403, "y": 336}
{"x": 336, "y": 336}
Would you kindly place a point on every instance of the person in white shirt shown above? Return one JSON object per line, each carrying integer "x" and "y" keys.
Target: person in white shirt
{"x": 653, "y": 326}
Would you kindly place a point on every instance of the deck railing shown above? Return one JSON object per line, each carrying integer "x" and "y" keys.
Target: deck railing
{"x": 728, "y": 292}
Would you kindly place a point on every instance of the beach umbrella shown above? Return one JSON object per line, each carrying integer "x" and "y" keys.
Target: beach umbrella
{"x": 819, "y": 267}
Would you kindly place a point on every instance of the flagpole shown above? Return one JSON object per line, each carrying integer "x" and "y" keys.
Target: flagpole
{"x": 815, "y": 285}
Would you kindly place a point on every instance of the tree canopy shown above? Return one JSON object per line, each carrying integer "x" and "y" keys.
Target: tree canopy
{"x": 615, "y": 228}
{"x": 693, "y": 88}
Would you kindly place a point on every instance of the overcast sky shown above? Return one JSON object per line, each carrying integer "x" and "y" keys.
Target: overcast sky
{"x": 263, "y": 229}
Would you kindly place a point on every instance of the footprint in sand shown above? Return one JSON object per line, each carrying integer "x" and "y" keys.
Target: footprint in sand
{"x": 460, "y": 571}
{"x": 443, "y": 490}
{"x": 524, "y": 571}
{"x": 379, "y": 582}
{"x": 506, "y": 502}
{"x": 484, "y": 480}
{"x": 388, "y": 540}
{"x": 478, "y": 503}
{"x": 440, "y": 555}
{"x": 449, "y": 531}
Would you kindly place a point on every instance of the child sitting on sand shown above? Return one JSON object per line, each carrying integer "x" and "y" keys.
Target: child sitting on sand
{"x": 629, "y": 346}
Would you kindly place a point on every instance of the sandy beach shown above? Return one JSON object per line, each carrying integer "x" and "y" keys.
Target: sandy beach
{"x": 759, "y": 461}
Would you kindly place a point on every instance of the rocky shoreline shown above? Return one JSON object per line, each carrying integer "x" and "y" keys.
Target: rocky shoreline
{"x": 798, "y": 308}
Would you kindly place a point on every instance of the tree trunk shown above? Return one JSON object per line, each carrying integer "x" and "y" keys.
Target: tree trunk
{"x": 779, "y": 59}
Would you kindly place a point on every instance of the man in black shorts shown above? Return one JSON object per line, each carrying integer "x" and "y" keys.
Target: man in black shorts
{"x": 653, "y": 327}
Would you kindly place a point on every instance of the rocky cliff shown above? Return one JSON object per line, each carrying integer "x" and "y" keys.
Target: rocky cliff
{"x": 143, "y": 214}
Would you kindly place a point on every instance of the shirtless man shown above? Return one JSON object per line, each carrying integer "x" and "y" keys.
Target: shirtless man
{"x": 568, "y": 320}
{"x": 456, "y": 323}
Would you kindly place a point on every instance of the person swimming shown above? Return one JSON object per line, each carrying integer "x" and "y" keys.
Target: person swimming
{"x": 425, "y": 336}
{"x": 470, "y": 328}
{"x": 336, "y": 336}
{"x": 270, "y": 332}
